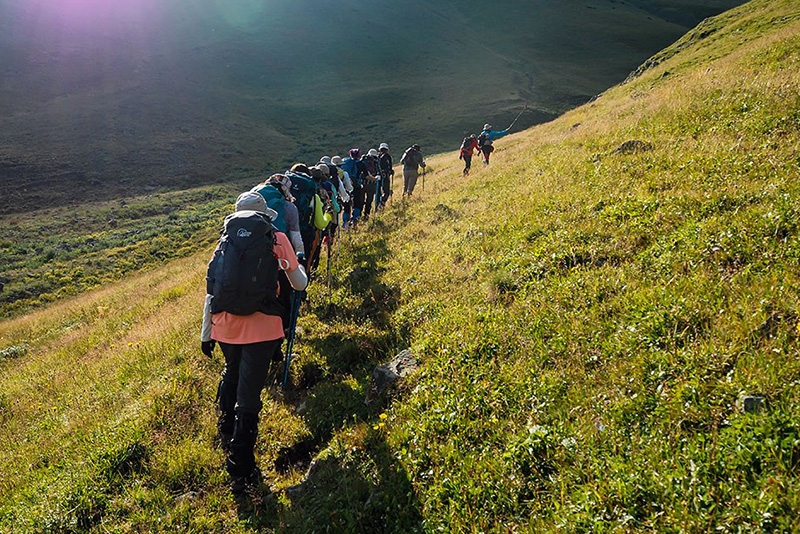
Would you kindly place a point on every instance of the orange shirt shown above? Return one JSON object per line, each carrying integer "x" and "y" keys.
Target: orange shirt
{"x": 256, "y": 327}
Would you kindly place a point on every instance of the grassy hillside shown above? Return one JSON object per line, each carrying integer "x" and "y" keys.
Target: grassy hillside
{"x": 104, "y": 100}
{"x": 588, "y": 311}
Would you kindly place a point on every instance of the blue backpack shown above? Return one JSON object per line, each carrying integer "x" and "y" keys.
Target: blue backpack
{"x": 303, "y": 191}
{"x": 351, "y": 168}
{"x": 276, "y": 201}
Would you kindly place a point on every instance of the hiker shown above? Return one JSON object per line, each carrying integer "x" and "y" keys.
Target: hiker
{"x": 321, "y": 175}
{"x": 486, "y": 139}
{"x": 284, "y": 206}
{"x": 412, "y": 160}
{"x": 276, "y": 190}
{"x": 340, "y": 192}
{"x": 313, "y": 218}
{"x": 372, "y": 180}
{"x": 357, "y": 171}
{"x": 241, "y": 313}
{"x": 385, "y": 166}
{"x": 347, "y": 207}
{"x": 468, "y": 147}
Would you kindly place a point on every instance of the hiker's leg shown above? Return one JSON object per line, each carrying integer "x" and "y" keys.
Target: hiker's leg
{"x": 467, "y": 163}
{"x": 412, "y": 180}
{"x": 369, "y": 195}
{"x": 358, "y": 202}
{"x": 226, "y": 392}
{"x": 385, "y": 186}
{"x": 253, "y": 367}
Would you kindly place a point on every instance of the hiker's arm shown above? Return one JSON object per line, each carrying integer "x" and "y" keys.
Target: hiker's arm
{"x": 287, "y": 261}
{"x": 293, "y": 228}
{"x": 343, "y": 194}
{"x": 321, "y": 219}
{"x": 348, "y": 184}
{"x": 297, "y": 241}
{"x": 297, "y": 278}
{"x": 205, "y": 330}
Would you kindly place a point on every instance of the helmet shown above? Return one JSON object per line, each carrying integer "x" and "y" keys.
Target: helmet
{"x": 325, "y": 159}
{"x": 415, "y": 146}
{"x": 384, "y": 146}
{"x": 372, "y": 152}
{"x": 487, "y": 126}
{"x": 324, "y": 168}
{"x": 336, "y": 160}
{"x": 472, "y": 136}
{"x": 355, "y": 153}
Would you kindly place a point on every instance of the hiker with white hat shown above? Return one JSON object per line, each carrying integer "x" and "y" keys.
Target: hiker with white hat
{"x": 242, "y": 313}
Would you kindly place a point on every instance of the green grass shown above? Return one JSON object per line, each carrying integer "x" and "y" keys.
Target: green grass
{"x": 60, "y": 252}
{"x": 587, "y": 320}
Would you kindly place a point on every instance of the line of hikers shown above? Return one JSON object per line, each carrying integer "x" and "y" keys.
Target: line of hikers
{"x": 268, "y": 250}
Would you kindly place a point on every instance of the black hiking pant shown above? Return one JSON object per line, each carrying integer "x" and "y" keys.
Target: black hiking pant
{"x": 239, "y": 398}
{"x": 486, "y": 150}
{"x": 369, "y": 198}
{"x": 467, "y": 162}
{"x": 386, "y": 190}
{"x": 362, "y": 202}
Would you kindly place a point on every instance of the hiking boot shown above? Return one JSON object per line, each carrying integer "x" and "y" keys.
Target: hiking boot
{"x": 248, "y": 483}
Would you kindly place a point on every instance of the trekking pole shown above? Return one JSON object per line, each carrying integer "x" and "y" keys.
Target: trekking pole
{"x": 423, "y": 179}
{"x": 297, "y": 298}
{"x": 330, "y": 248}
{"x": 517, "y": 117}
{"x": 377, "y": 196}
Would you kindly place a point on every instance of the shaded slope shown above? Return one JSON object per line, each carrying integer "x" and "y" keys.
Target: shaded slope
{"x": 169, "y": 95}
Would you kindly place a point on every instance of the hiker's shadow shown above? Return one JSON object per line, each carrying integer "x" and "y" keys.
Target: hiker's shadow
{"x": 358, "y": 487}
{"x": 355, "y": 490}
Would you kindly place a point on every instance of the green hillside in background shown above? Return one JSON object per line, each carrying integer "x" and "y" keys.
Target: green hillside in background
{"x": 605, "y": 317}
{"x": 106, "y": 100}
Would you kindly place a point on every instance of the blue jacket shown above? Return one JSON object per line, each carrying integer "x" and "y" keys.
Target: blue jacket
{"x": 491, "y": 135}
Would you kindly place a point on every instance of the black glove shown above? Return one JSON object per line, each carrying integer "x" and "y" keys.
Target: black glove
{"x": 208, "y": 347}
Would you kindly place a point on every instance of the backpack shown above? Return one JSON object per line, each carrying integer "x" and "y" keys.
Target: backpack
{"x": 276, "y": 201}
{"x": 350, "y": 166}
{"x": 303, "y": 191}
{"x": 466, "y": 144}
{"x": 371, "y": 164}
{"x": 483, "y": 139}
{"x": 242, "y": 276}
{"x": 385, "y": 163}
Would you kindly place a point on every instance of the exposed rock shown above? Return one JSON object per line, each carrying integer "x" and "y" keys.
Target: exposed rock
{"x": 384, "y": 376}
{"x": 752, "y": 403}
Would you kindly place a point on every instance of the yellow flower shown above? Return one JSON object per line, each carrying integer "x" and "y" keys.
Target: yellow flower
{"x": 383, "y": 416}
